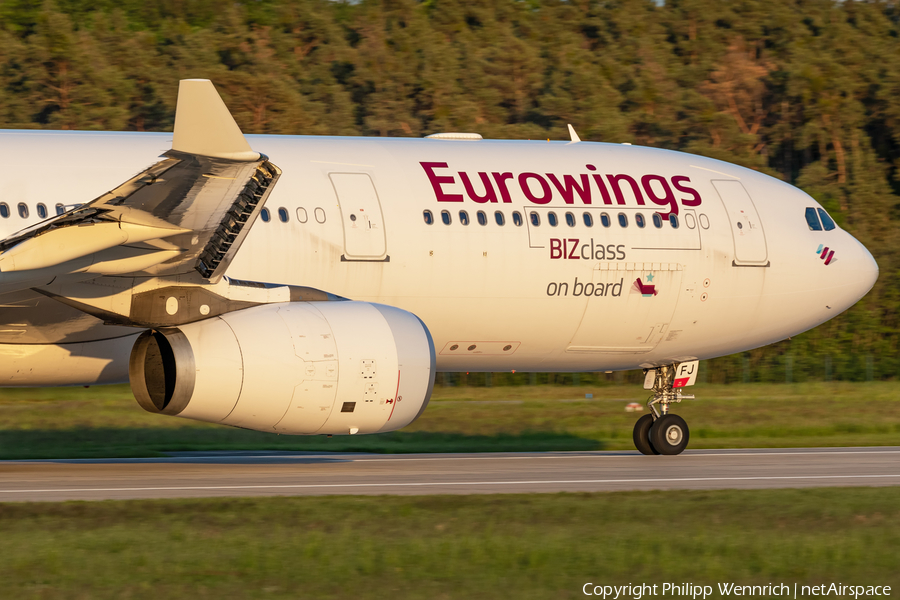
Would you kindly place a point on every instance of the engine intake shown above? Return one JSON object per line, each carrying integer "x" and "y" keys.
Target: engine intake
{"x": 293, "y": 368}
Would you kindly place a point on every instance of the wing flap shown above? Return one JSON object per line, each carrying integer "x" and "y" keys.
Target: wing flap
{"x": 197, "y": 204}
{"x": 58, "y": 246}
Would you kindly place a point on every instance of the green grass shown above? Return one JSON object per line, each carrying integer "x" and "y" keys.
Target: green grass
{"x": 106, "y": 421}
{"x": 504, "y": 546}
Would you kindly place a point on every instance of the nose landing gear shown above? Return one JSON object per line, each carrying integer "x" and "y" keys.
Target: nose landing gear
{"x": 660, "y": 432}
{"x": 642, "y": 435}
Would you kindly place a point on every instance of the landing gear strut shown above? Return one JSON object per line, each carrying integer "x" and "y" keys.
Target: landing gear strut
{"x": 660, "y": 432}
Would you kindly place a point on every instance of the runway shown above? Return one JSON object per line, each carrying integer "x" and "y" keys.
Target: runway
{"x": 193, "y": 475}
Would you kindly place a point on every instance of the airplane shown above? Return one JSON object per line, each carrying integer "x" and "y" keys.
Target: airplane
{"x": 315, "y": 285}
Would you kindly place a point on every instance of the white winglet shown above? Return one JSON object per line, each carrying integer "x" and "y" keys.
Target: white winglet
{"x": 204, "y": 126}
{"x": 572, "y": 134}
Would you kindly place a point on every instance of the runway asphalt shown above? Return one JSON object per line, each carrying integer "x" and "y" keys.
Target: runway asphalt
{"x": 193, "y": 475}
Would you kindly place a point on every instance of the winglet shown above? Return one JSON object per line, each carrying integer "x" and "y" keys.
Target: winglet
{"x": 572, "y": 134}
{"x": 204, "y": 126}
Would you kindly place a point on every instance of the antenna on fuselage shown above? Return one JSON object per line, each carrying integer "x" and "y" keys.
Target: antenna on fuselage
{"x": 573, "y": 135}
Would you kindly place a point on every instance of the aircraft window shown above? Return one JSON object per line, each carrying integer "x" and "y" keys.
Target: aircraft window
{"x": 42, "y": 211}
{"x": 827, "y": 221}
{"x": 570, "y": 219}
{"x": 604, "y": 219}
{"x": 60, "y": 209}
{"x": 4, "y": 210}
{"x": 690, "y": 221}
{"x": 704, "y": 221}
{"x": 482, "y": 218}
{"x": 623, "y": 220}
{"x": 673, "y": 220}
{"x": 283, "y": 215}
{"x": 551, "y": 218}
{"x": 501, "y": 220}
{"x": 812, "y": 219}
{"x": 264, "y": 215}
{"x": 445, "y": 217}
{"x": 657, "y": 220}
{"x": 639, "y": 220}
{"x": 23, "y": 210}
{"x": 588, "y": 220}
{"x": 429, "y": 218}
{"x": 463, "y": 217}
{"x": 320, "y": 215}
{"x": 535, "y": 219}
{"x": 303, "y": 217}
{"x": 517, "y": 218}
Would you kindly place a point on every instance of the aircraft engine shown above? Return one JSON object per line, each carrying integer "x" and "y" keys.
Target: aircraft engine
{"x": 295, "y": 368}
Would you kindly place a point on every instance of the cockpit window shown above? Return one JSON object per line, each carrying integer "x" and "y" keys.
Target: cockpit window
{"x": 812, "y": 219}
{"x": 827, "y": 221}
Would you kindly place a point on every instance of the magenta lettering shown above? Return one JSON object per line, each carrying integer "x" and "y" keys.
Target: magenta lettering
{"x": 556, "y": 249}
{"x": 614, "y": 182}
{"x": 582, "y": 188}
{"x": 489, "y": 194}
{"x": 695, "y": 197}
{"x": 437, "y": 181}
{"x": 569, "y": 186}
{"x": 602, "y": 187}
{"x": 501, "y": 178}
{"x": 666, "y": 198}
{"x": 545, "y": 188}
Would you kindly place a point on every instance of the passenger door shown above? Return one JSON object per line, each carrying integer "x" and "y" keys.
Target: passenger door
{"x": 746, "y": 226}
{"x": 361, "y": 217}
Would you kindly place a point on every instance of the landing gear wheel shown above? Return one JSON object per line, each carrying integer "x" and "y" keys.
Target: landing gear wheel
{"x": 669, "y": 434}
{"x": 642, "y": 435}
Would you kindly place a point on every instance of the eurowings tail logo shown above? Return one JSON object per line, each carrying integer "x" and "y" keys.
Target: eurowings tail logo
{"x": 647, "y": 290}
{"x": 826, "y": 254}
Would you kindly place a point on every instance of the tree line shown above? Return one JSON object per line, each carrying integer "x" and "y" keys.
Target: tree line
{"x": 804, "y": 90}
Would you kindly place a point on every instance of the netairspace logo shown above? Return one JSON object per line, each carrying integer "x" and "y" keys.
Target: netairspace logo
{"x": 698, "y": 592}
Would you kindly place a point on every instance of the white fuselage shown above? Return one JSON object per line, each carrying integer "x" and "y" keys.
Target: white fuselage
{"x": 349, "y": 216}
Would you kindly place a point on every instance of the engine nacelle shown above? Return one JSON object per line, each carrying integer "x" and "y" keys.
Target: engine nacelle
{"x": 293, "y": 368}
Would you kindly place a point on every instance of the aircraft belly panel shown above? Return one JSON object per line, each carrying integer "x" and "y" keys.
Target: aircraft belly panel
{"x": 635, "y": 325}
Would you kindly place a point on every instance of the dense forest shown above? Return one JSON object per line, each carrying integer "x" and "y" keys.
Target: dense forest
{"x": 804, "y": 90}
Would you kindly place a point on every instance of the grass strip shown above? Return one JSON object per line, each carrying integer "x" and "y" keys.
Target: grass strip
{"x": 503, "y": 546}
{"x": 106, "y": 421}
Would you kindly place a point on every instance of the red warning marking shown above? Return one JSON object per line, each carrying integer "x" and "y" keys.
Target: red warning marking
{"x": 396, "y": 396}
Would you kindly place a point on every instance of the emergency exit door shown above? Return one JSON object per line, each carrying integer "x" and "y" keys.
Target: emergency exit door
{"x": 746, "y": 226}
{"x": 361, "y": 217}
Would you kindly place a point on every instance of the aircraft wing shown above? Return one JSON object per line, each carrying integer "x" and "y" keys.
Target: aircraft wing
{"x": 187, "y": 213}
